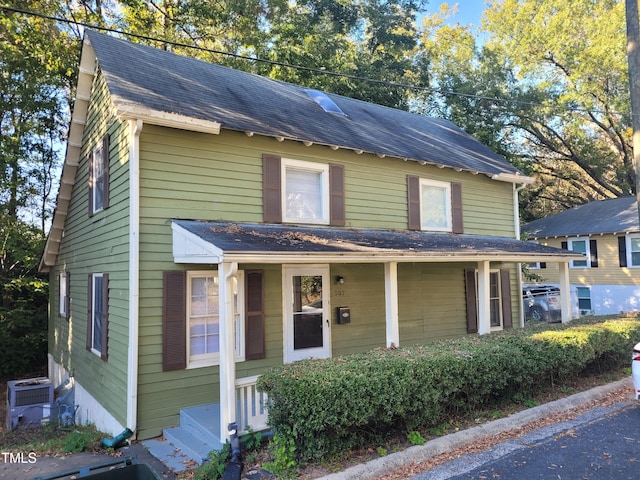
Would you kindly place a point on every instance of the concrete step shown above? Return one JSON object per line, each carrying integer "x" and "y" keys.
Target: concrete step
{"x": 190, "y": 443}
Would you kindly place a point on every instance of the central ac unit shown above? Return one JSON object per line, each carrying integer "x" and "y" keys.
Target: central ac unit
{"x": 28, "y": 401}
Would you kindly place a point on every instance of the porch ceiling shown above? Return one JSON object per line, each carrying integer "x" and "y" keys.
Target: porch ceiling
{"x": 208, "y": 242}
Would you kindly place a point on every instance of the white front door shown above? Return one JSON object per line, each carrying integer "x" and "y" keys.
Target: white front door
{"x": 307, "y": 319}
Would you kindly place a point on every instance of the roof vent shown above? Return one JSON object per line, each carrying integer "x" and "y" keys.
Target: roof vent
{"x": 324, "y": 101}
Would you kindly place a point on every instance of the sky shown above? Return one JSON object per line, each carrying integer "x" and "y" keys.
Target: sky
{"x": 469, "y": 11}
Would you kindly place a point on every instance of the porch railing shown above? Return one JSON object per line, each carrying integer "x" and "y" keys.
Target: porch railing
{"x": 251, "y": 405}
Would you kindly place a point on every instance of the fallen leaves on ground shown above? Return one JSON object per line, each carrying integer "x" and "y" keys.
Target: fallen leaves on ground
{"x": 617, "y": 396}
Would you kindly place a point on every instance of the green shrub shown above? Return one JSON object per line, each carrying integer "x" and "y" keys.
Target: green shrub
{"x": 330, "y": 405}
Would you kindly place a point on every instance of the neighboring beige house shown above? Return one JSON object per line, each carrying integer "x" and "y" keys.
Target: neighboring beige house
{"x": 212, "y": 223}
{"x": 607, "y": 232}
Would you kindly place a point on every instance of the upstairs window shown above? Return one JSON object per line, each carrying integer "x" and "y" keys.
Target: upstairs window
{"x": 305, "y": 192}
{"x": 587, "y": 247}
{"x": 99, "y": 177}
{"x": 295, "y": 191}
{"x": 434, "y": 206}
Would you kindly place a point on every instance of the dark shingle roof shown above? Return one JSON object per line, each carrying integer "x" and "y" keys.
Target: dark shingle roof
{"x": 239, "y": 238}
{"x": 604, "y": 216}
{"x": 162, "y": 81}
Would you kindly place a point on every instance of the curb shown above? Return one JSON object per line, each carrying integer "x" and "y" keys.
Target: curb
{"x": 417, "y": 454}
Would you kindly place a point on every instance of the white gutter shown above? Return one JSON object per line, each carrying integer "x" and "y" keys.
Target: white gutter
{"x": 135, "y": 128}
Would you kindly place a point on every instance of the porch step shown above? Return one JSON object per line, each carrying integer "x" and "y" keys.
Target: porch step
{"x": 190, "y": 443}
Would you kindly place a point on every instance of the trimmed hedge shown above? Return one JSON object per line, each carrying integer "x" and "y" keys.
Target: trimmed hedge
{"x": 341, "y": 403}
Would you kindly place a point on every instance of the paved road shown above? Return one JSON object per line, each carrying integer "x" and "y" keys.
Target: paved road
{"x": 602, "y": 444}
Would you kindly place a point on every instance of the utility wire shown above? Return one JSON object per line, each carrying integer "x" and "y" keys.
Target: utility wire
{"x": 307, "y": 69}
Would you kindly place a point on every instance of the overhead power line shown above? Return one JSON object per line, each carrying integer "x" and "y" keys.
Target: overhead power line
{"x": 317, "y": 71}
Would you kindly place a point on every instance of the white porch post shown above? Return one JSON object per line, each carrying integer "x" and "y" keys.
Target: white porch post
{"x": 226, "y": 272}
{"x": 565, "y": 292}
{"x": 391, "y": 303}
{"x": 484, "y": 305}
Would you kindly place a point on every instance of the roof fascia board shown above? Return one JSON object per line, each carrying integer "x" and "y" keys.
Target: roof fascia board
{"x": 271, "y": 258}
{"x": 164, "y": 119}
{"x": 513, "y": 178}
{"x": 72, "y": 156}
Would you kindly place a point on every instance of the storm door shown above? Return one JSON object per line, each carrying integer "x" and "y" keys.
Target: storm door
{"x": 306, "y": 309}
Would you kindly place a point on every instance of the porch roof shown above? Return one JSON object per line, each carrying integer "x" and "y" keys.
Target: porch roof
{"x": 209, "y": 242}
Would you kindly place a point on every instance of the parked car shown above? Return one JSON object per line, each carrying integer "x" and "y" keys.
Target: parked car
{"x": 541, "y": 303}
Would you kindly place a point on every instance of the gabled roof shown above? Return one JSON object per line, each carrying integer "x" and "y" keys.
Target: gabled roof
{"x": 213, "y": 242}
{"x": 143, "y": 77}
{"x": 617, "y": 215}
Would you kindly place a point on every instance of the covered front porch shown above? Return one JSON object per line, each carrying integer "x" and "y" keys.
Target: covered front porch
{"x": 308, "y": 251}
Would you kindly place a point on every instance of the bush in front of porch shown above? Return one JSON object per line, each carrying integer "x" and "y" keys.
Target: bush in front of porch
{"x": 347, "y": 402}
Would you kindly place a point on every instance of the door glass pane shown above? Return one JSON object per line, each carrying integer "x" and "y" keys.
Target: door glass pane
{"x": 494, "y": 300}
{"x": 307, "y": 312}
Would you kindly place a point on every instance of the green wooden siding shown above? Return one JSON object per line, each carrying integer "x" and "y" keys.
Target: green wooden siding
{"x": 219, "y": 177}
{"x": 96, "y": 245}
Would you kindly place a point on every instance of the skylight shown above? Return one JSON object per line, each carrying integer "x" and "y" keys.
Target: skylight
{"x": 325, "y": 102}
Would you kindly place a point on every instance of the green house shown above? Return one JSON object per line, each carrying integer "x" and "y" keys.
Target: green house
{"x": 212, "y": 223}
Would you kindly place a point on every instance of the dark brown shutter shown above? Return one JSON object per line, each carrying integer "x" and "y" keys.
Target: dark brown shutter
{"x": 89, "y": 312}
{"x": 90, "y": 167}
{"x": 105, "y": 165}
{"x": 593, "y": 253}
{"x": 543, "y": 264}
{"x": 413, "y": 202}
{"x": 456, "y": 208}
{"x": 336, "y": 196}
{"x": 472, "y": 308}
{"x": 254, "y": 317}
{"x": 271, "y": 189}
{"x": 564, "y": 245}
{"x": 505, "y": 298}
{"x": 104, "y": 321}
{"x": 622, "y": 251}
{"x": 174, "y": 321}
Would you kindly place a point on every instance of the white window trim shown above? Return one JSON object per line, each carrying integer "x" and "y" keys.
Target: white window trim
{"x": 289, "y": 353}
{"x": 213, "y": 359}
{"x": 321, "y": 168}
{"x": 500, "y": 327}
{"x": 495, "y": 328}
{"x": 448, "y": 207}
{"x": 587, "y": 258}
{"x": 93, "y": 312}
{"x": 98, "y": 157}
{"x": 63, "y": 294}
{"x": 628, "y": 239}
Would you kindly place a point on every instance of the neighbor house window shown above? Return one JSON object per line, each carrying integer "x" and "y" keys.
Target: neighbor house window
{"x": 203, "y": 319}
{"x": 99, "y": 177}
{"x": 633, "y": 252}
{"x": 305, "y": 192}
{"x": 98, "y": 314}
{"x": 63, "y": 294}
{"x": 579, "y": 246}
{"x": 584, "y": 299}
